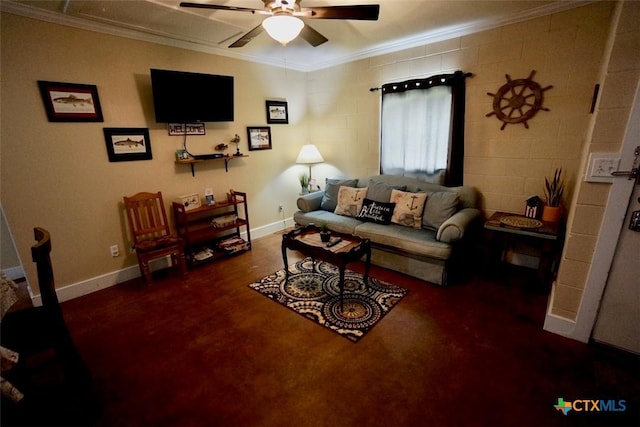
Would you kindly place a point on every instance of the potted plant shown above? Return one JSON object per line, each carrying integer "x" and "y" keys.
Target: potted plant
{"x": 553, "y": 191}
{"x": 325, "y": 233}
{"x": 304, "y": 183}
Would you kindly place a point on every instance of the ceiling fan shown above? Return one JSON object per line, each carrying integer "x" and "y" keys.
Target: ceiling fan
{"x": 284, "y": 24}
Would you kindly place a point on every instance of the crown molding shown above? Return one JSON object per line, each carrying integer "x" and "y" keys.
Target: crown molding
{"x": 385, "y": 48}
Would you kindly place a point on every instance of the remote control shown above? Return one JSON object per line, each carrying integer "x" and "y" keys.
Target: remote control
{"x": 334, "y": 242}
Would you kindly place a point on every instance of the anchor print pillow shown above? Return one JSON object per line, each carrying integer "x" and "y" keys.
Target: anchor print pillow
{"x": 350, "y": 200}
{"x": 409, "y": 207}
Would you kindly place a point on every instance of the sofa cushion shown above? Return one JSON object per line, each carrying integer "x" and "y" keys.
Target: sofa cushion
{"x": 339, "y": 223}
{"x": 409, "y": 207}
{"x": 421, "y": 242}
{"x": 350, "y": 200}
{"x": 440, "y": 206}
{"x": 378, "y": 212}
{"x": 330, "y": 197}
{"x": 381, "y": 192}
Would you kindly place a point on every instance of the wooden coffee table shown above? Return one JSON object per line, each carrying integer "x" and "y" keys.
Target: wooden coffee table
{"x": 307, "y": 241}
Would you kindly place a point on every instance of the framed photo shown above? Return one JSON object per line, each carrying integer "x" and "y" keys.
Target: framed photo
{"x": 277, "y": 112}
{"x": 70, "y": 102}
{"x": 125, "y": 144}
{"x": 189, "y": 201}
{"x": 259, "y": 138}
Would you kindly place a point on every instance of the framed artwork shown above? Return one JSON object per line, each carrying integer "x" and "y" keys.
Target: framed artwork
{"x": 277, "y": 112}
{"x": 259, "y": 138}
{"x": 70, "y": 102}
{"x": 125, "y": 144}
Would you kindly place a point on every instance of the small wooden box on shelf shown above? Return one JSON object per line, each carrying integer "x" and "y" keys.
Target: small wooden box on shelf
{"x": 211, "y": 232}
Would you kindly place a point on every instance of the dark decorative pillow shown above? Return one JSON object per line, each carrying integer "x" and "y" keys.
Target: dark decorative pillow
{"x": 381, "y": 192}
{"x": 440, "y": 206}
{"x": 330, "y": 198}
{"x": 378, "y": 212}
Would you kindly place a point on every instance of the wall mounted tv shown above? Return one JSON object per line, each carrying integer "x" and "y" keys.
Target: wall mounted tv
{"x": 182, "y": 97}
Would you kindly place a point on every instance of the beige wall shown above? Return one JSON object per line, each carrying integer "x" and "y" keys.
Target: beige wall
{"x": 620, "y": 81}
{"x": 58, "y": 176}
{"x": 507, "y": 166}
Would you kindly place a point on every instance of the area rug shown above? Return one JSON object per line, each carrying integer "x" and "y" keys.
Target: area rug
{"x": 313, "y": 291}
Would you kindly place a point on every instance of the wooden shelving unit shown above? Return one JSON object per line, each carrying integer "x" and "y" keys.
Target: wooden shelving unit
{"x": 203, "y": 239}
{"x": 191, "y": 162}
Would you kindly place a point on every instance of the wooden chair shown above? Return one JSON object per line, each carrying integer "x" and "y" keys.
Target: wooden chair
{"x": 56, "y": 383}
{"x": 150, "y": 232}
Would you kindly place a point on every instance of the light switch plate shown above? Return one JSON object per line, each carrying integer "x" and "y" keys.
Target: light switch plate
{"x": 600, "y": 167}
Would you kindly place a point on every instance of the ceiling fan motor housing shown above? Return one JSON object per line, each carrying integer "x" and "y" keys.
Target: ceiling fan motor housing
{"x": 278, "y": 7}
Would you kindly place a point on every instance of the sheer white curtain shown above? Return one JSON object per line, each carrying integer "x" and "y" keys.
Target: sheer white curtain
{"x": 416, "y": 131}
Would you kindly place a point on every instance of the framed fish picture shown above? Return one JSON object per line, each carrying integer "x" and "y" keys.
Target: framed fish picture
{"x": 70, "y": 102}
{"x": 259, "y": 138}
{"x": 125, "y": 144}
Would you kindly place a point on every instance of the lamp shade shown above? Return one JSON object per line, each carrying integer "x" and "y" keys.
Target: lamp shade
{"x": 283, "y": 28}
{"x": 309, "y": 154}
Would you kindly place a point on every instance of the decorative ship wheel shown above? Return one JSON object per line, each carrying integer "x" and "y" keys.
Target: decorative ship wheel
{"x": 518, "y": 101}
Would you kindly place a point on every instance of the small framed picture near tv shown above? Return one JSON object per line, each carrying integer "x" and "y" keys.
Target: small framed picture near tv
{"x": 277, "y": 112}
{"x": 70, "y": 102}
{"x": 259, "y": 138}
{"x": 125, "y": 144}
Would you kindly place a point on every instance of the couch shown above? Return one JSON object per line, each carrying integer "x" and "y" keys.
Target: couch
{"x": 426, "y": 245}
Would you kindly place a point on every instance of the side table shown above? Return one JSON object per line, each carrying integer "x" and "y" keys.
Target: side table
{"x": 547, "y": 238}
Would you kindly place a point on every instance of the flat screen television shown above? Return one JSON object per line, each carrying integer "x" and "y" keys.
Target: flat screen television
{"x": 183, "y": 97}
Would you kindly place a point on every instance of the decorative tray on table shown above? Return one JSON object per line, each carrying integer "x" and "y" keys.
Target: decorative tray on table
{"x": 518, "y": 221}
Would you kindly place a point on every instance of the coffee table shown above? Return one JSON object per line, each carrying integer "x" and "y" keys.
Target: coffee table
{"x": 307, "y": 241}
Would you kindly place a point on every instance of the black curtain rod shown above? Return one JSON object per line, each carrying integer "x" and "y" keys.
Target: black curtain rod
{"x": 439, "y": 76}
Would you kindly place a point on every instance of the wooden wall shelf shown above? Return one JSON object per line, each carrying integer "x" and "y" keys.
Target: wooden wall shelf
{"x": 192, "y": 162}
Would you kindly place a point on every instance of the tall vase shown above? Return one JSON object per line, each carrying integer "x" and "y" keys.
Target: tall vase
{"x": 551, "y": 214}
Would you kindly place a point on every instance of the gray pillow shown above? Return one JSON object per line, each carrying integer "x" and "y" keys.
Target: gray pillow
{"x": 440, "y": 206}
{"x": 330, "y": 198}
{"x": 381, "y": 192}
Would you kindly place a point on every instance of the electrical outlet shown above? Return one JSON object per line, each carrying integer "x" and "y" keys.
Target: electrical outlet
{"x": 115, "y": 251}
{"x": 280, "y": 207}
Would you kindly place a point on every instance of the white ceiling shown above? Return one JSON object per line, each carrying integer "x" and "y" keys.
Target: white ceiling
{"x": 402, "y": 24}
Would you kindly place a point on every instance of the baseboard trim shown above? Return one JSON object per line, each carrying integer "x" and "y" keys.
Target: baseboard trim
{"x": 14, "y": 273}
{"x": 107, "y": 280}
{"x": 94, "y": 284}
{"x": 560, "y": 325}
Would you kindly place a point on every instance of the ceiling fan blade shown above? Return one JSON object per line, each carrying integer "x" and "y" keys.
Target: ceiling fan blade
{"x": 313, "y": 37}
{"x": 365, "y": 12}
{"x": 219, "y": 7}
{"x": 248, "y": 37}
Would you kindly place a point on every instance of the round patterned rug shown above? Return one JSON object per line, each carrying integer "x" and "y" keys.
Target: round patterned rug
{"x": 313, "y": 290}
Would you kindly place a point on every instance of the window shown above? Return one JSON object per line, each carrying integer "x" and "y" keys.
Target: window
{"x": 422, "y": 127}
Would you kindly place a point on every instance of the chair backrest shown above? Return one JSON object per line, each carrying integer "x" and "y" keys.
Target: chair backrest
{"x": 146, "y": 216}
{"x": 40, "y": 253}
{"x": 55, "y": 324}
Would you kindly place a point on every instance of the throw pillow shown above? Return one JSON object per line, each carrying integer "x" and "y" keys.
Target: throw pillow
{"x": 378, "y": 212}
{"x": 440, "y": 206}
{"x": 381, "y": 192}
{"x": 409, "y": 207}
{"x": 330, "y": 197}
{"x": 350, "y": 200}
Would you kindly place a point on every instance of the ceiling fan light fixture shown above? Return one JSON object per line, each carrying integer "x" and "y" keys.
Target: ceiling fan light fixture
{"x": 283, "y": 28}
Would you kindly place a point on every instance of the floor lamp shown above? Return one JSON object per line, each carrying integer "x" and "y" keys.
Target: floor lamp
{"x": 309, "y": 155}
